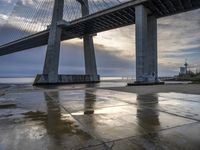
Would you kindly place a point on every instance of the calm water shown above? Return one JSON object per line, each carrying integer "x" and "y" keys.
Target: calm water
{"x": 16, "y": 80}
{"x": 29, "y": 80}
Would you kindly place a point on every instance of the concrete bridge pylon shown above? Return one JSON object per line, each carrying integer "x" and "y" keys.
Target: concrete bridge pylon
{"x": 146, "y": 46}
{"x": 89, "y": 51}
{"x": 50, "y": 71}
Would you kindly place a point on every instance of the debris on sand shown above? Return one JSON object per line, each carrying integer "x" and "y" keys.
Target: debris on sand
{"x": 7, "y": 105}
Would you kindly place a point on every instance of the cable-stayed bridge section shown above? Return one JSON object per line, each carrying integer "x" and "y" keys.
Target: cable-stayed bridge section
{"x": 111, "y": 18}
{"x": 83, "y": 18}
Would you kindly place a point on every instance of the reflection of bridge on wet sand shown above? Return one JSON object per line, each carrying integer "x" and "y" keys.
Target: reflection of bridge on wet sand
{"x": 143, "y": 13}
{"x": 91, "y": 109}
{"x": 99, "y": 119}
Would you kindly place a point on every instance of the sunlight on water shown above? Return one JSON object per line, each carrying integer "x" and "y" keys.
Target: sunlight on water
{"x": 16, "y": 80}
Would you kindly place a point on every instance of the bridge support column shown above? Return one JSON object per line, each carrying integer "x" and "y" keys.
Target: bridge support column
{"x": 50, "y": 70}
{"x": 89, "y": 52}
{"x": 89, "y": 56}
{"x": 146, "y": 47}
{"x": 152, "y": 58}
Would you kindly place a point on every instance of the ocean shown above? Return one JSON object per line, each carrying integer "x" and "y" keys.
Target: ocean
{"x": 30, "y": 80}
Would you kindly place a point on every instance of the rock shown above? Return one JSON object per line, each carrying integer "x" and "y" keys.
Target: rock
{"x": 7, "y": 105}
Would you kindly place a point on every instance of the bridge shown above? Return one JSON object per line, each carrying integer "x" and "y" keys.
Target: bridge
{"x": 112, "y": 14}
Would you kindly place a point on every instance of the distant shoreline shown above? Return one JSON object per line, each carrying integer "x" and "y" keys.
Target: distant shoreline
{"x": 167, "y": 88}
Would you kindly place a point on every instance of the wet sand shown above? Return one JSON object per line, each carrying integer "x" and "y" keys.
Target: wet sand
{"x": 178, "y": 88}
{"x": 74, "y": 117}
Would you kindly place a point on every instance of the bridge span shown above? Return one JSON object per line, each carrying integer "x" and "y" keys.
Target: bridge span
{"x": 143, "y": 13}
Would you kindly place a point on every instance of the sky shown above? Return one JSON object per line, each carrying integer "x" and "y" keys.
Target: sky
{"x": 178, "y": 39}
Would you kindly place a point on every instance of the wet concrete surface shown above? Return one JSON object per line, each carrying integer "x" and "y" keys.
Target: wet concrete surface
{"x": 84, "y": 117}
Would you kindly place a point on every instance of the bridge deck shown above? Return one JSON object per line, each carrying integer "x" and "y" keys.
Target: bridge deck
{"x": 115, "y": 17}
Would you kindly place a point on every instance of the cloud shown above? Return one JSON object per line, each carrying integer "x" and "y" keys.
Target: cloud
{"x": 178, "y": 39}
{"x": 30, "y": 62}
{"x": 108, "y": 63}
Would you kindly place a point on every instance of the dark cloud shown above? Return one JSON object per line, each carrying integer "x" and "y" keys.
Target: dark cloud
{"x": 30, "y": 62}
{"x": 10, "y": 33}
{"x": 191, "y": 54}
{"x": 178, "y": 39}
{"x": 108, "y": 63}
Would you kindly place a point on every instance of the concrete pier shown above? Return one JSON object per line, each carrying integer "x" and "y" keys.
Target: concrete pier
{"x": 67, "y": 79}
{"x": 146, "y": 47}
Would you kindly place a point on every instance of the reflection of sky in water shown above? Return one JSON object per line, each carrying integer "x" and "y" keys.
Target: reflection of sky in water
{"x": 73, "y": 117}
{"x": 16, "y": 80}
{"x": 180, "y": 96}
{"x": 30, "y": 80}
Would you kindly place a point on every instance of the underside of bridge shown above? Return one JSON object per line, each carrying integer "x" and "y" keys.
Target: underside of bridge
{"x": 142, "y": 13}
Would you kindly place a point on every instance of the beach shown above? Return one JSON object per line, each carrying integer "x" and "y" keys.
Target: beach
{"x": 102, "y": 116}
{"x": 178, "y": 88}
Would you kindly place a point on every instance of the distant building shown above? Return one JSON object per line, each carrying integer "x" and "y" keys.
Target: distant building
{"x": 184, "y": 70}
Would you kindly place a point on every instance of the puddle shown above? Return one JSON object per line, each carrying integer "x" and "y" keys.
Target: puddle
{"x": 76, "y": 118}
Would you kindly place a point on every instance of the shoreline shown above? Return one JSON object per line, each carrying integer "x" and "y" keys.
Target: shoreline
{"x": 167, "y": 88}
{"x": 186, "y": 88}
